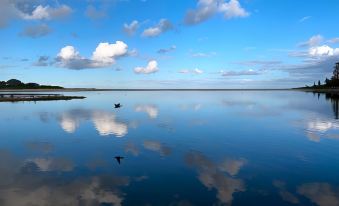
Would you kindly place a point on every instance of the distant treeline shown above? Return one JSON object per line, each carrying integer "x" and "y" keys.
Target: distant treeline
{"x": 328, "y": 83}
{"x": 17, "y": 84}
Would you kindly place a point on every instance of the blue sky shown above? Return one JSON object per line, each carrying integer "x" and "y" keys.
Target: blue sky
{"x": 169, "y": 43}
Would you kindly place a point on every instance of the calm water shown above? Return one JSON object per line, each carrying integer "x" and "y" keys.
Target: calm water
{"x": 179, "y": 148}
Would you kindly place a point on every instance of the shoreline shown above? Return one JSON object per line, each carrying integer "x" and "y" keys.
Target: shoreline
{"x": 108, "y": 90}
{"x": 103, "y": 90}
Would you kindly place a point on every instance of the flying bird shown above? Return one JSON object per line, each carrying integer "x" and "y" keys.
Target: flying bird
{"x": 119, "y": 158}
{"x": 117, "y": 105}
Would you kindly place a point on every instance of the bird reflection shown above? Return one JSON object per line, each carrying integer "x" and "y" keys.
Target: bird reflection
{"x": 119, "y": 158}
{"x": 117, "y": 105}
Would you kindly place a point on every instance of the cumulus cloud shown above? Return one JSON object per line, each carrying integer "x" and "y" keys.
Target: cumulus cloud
{"x": 164, "y": 25}
{"x": 232, "y": 9}
{"x": 13, "y": 9}
{"x": 208, "y": 8}
{"x": 104, "y": 55}
{"x": 323, "y": 50}
{"x": 167, "y": 50}
{"x": 151, "y": 67}
{"x": 36, "y": 31}
{"x": 93, "y": 13}
{"x": 191, "y": 71}
{"x": 240, "y": 73}
{"x": 47, "y": 13}
{"x": 151, "y": 110}
{"x": 131, "y": 28}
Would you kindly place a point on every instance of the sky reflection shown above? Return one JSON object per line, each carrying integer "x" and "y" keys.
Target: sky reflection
{"x": 183, "y": 148}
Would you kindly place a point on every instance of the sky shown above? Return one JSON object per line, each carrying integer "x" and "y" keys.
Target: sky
{"x": 225, "y": 44}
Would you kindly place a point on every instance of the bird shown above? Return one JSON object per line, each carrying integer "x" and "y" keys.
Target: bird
{"x": 117, "y": 105}
{"x": 119, "y": 158}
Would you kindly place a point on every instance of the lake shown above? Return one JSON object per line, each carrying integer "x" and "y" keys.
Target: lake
{"x": 175, "y": 148}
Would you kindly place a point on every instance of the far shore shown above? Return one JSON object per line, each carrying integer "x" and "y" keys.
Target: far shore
{"x": 329, "y": 90}
{"x": 93, "y": 89}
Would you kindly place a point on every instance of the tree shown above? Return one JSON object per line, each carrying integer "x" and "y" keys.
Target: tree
{"x": 336, "y": 71}
{"x": 2, "y": 84}
{"x": 314, "y": 84}
{"x": 14, "y": 83}
{"x": 319, "y": 83}
{"x": 327, "y": 81}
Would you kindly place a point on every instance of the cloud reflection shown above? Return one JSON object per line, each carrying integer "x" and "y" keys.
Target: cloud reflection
{"x": 52, "y": 164}
{"x": 20, "y": 188}
{"x": 151, "y": 110}
{"x": 322, "y": 194}
{"x": 212, "y": 175}
{"x": 157, "y": 147}
{"x": 104, "y": 122}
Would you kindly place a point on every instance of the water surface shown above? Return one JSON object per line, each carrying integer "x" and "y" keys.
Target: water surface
{"x": 179, "y": 148}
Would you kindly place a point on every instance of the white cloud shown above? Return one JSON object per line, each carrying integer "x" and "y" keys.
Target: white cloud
{"x": 203, "y": 55}
{"x": 305, "y": 18}
{"x": 163, "y": 26}
{"x": 131, "y": 28}
{"x": 68, "y": 53}
{"x": 313, "y": 41}
{"x": 193, "y": 71}
{"x": 47, "y": 13}
{"x": 151, "y": 67}
{"x": 233, "y": 9}
{"x": 207, "y": 8}
{"x": 240, "y": 73}
{"x": 9, "y": 10}
{"x": 104, "y": 55}
{"x": 323, "y": 50}
{"x": 333, "y": 40}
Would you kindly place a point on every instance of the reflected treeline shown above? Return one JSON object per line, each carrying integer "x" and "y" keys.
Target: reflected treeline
{"x": 334, "y": 99}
